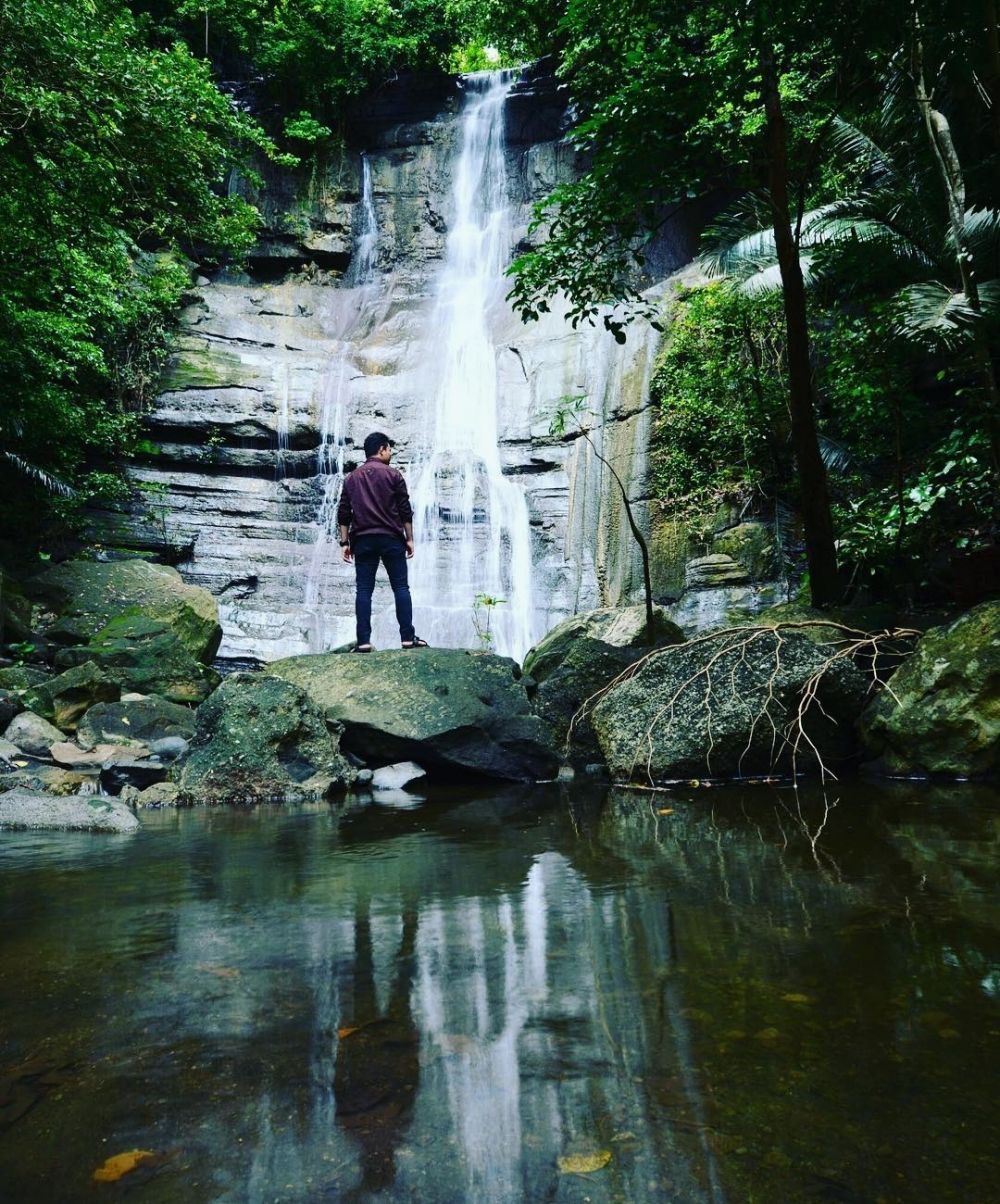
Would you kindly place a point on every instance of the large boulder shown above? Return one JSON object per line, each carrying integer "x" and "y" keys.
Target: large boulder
{"x": 74, "y": 813}
{"x": 261, "y": 738}
{"x": 581, "y": 656}
{"x": 84, "y": 596}
{"x": 32, "y": 734}
{"x": 940, "y": 714}
{"x": 726, "y": 706}
{"x": 135, "y": 720}
{"x": 451, "y": 711}
{"x": 15, "y": 611}
{"x": 145, "y": 656}
{"x": 63, "y": 699}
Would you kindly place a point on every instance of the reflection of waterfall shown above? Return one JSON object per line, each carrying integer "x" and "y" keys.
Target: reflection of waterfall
{"x": 331, "y": 473}
{"x": 367, "y": 244}
{"x": 472, "y": 521}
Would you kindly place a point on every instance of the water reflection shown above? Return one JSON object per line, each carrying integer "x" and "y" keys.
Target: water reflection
{"x": 701, "y": 996}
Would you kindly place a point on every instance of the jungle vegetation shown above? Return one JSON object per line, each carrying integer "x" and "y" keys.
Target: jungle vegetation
{"x": 837, "y": 361}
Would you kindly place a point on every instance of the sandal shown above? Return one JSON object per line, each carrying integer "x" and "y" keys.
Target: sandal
{"x": 363, "y": 648}
{"x": 416, "y": 642}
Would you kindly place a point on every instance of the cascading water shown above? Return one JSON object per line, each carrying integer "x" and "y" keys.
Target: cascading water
{"x": 367, "y": 241}
{"x": 331, "y": 473}
{"x": 471, "y": 522}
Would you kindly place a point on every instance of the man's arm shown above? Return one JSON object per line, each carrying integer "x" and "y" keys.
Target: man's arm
{"x": 344, "y": 516}
{"x": 405, "y": 511}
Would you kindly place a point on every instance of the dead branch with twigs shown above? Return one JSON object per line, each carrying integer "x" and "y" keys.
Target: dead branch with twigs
{"x": 751, "y": 652}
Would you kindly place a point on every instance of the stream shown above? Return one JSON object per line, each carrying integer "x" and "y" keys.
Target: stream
{"x": 534, "y": 994}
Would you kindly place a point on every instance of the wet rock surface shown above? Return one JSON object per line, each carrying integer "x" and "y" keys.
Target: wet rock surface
{"x": 74, "y": 813}
{"x": 941, "y": 712}
{"x": 723, "y": 708}
{"x": 452, "y": 712}
{"x": 260, "y": 737}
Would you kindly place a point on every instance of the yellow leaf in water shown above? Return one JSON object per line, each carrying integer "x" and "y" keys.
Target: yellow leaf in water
{"x": 795, "y": 997}
{"x": 120, "y": 1164}
{"x": 665, "y": 811}
{"x": 126, "y": 721}
{"x": 19, "y": 764}
{"x": 347, "y": 1030}
{"x": 584, "y": 1164}
{"x": 218, "y": 971}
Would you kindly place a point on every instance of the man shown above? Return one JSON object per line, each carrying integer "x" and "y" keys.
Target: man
{"x": 376, "y": 523}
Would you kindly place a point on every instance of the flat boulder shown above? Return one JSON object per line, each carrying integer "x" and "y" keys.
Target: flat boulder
{"x": 261, "y": 738}
{"x": 451, "y": 711}
{"x": 142, "y": 720}
{"x": 65, "y": 698}
{"x": 74, "y": 813}
{"x": 726, "y": 706}
{"x": 940, "y": 714}
{"x": 581, "y": 656}
{"x": 83, "y": 596}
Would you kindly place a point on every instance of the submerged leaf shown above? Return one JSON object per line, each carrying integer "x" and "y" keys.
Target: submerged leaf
{"x": 584, "y": 1164}
{"x": 121, "y": 1164}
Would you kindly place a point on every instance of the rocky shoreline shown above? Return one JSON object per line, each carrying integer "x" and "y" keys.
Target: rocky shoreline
{"x": 116, "y": 707}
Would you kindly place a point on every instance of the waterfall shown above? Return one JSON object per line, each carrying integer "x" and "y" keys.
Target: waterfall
{"x": 330, "y": 468}
{"x": 472, "y": 525}
{"x": 367, "y": 241}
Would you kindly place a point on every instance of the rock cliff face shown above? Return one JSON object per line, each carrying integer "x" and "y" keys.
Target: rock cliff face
{"x": 333, "y": 330}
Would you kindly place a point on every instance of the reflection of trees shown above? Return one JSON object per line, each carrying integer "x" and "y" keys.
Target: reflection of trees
{"x": 833, "y": 988}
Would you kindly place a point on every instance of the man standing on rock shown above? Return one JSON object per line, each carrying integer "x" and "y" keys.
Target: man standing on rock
{"x": 376, "y": 523}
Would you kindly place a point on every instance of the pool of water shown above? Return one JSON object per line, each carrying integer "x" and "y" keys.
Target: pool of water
{"x": 534, "y": 994}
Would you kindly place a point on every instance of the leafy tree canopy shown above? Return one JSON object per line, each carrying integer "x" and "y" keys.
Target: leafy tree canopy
{"x": 112, "y": 156}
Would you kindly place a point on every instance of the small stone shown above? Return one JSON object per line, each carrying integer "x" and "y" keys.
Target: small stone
{"x": 170, "y": 748}
{"x": 395, "y": 777}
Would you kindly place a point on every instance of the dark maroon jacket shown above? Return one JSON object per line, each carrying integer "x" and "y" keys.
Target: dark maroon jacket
{"x": 374, "y": 500}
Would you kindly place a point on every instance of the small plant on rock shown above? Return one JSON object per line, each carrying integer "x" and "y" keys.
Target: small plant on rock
{"x": 482, "y": 617}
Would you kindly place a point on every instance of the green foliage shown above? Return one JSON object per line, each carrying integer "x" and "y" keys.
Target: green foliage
{"x": 314, "y": 55}
{"x": 112, "y": 156}
{"x": 722, "y": 428}
{"x": 303, "y": 128}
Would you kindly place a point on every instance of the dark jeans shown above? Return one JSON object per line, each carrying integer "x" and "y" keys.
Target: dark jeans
{"x": 391, "y": 550}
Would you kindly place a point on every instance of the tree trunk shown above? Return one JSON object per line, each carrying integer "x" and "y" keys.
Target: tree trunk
{"x": 821, "y": 555}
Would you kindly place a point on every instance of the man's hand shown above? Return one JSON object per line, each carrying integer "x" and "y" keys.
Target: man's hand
{"x": 409, "y": 549}
{"x": 348, "y": 554}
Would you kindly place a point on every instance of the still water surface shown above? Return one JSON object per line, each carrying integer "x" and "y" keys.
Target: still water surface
{"x": 528, "y": 995}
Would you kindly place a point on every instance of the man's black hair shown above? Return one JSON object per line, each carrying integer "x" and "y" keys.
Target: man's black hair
{"x": 375, "y": 442}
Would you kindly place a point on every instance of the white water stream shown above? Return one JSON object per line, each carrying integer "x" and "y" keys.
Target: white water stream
{"x": 471, "y": 522}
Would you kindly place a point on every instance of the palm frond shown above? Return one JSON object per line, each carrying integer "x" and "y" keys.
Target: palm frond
{"x": 34, "y": 473}
{"x": 932, "y": 313}
{"x": 835, "y": 455}
{"x": 981, "y": 231}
